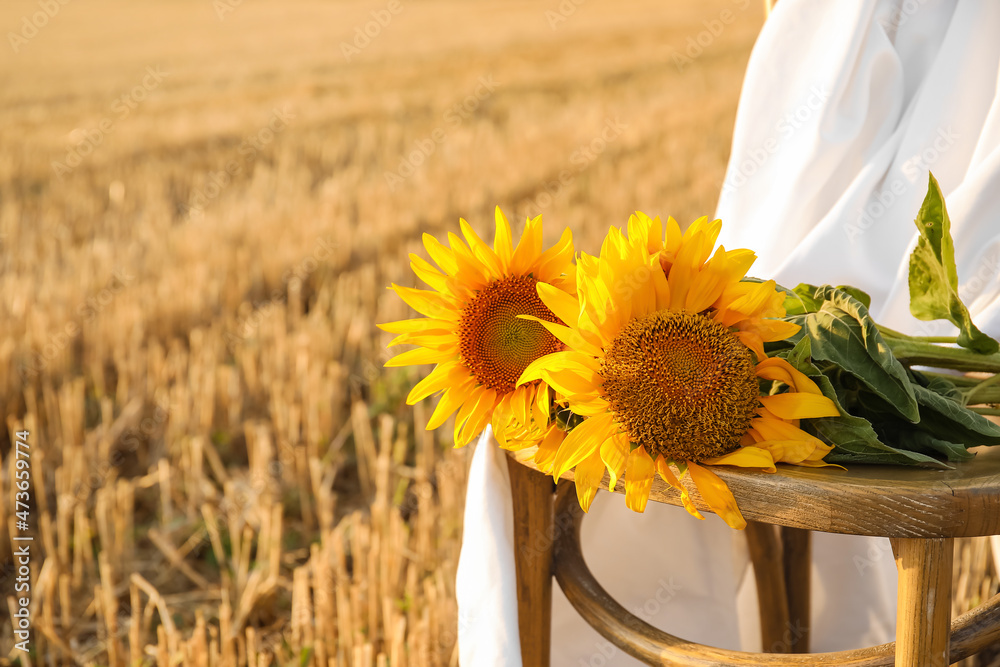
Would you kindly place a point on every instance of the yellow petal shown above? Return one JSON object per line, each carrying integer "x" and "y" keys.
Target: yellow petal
{"x": 435, "y": 340}
{"x": 417, "y": 325}
{"x": 444, "y": 376}
{"x": 786, "y": 442}
{"x": 450, "y": 401}
{"x": 614, "y": 453}
{"x": 800, "y": 406}
{"x": 546, "y": 454}
{"x": 433, "y": 304}
{"x": 769, "y": 330}
{"x": 468, "y": 406}
{"x": 564, "y": 306}
{"x": 752, "y": 341}
{"x": 574, "y": 383}
{"x": 795, "y": 452}
{"x": 479, "y": 418}
{"x": 668, "y": 476}
{"x": 588, "y": 476}
{"x": 745, "y": 457}
{"x": 502, "y": 243}
{"x": 471, "y": 271}
{"x": 419, "y": 356}
{"x": 753, "y": 300}
{"x": 682, "y": 272}
{"x": 589, "y": 407}
{"x": 481, "y": 249}
{"x": 519, "y": 401}
{"x": 426, "y": 272}
{"x": 557, "y": 261}
{"x": 780, "y": 370}
{"x": 477, "y": 409}
{"x": 638, "y": 479}
{"x": 672, "y": 235}
{"x": 581, "y": 442}
{"x": 717, "y": 495}
{"x": 571, "y": 338}
{"x": 722, "y": 270}
{"x": 557, "y": 361}
{"x": 540, "y": 406}
{"x": 528, "y": 248}
{"x": 440, "y": 253}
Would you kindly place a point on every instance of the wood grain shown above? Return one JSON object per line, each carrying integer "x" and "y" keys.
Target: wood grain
{"x": 796, "y": 556}
{"x": 923, "y": 601}
{"x": 532, "y": 494}
{"x": 970, "y": 633}
{"x": 772, "y": 598}
{"x": 882, "y": 501}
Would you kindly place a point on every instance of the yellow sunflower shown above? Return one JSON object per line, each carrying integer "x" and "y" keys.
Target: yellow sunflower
{"x": 664, "y": 354}
{"x": 474, "y": 334}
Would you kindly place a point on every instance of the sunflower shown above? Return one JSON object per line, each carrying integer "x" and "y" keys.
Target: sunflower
{"x": 665, "y": 360}
{"x": 474, "y": 333}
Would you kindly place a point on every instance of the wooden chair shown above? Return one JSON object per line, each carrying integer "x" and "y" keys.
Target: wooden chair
{"x": 920, "y": 510}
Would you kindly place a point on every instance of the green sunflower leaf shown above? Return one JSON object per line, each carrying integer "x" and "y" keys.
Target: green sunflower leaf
{"x": 933, "y": 277}
{"x": 922, "y": 441}
{"x": 859, "y": 295}
{"x": 940, "y": 386}
{"x": 800, "y": 300}
{"x": 944, "y": 418}
{"x": 854, "y": 439}
{"x": 842, "y": 332}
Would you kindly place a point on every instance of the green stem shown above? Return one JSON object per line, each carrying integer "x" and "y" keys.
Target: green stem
{"x": 960, "y": 381}
{"x": 979, "y": 392}
{"x": 919, "y": 353}
{"x": 892, "y": 333}
{"x": 993, "y": 412}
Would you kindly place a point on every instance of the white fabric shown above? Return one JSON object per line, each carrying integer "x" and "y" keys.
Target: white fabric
{"x": 485, "y": 581}
{"x": 845, "y": 106}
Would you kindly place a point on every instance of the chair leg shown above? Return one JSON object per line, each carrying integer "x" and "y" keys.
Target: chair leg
{"x": 796, "y": 546}
{"x": 772, "y": 599}
{"x": 923, "y": 601}
{"x": 533, "y": 537}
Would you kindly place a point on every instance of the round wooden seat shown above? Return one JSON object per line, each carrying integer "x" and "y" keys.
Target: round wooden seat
{"x": 921, "y": 510}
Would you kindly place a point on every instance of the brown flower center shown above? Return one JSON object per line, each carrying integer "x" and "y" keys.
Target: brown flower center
{"x": 680, "y": 384}
{"x": 494, "y": 342}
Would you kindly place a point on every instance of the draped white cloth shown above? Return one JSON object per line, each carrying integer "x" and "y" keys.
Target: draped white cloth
{"x": 846, "y": 106}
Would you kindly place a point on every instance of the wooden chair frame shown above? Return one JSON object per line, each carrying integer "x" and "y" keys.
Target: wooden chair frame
{"x": 921, "y": 511}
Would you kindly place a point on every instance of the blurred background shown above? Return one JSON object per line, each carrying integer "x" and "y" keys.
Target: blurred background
{"x": 201, "y": 205}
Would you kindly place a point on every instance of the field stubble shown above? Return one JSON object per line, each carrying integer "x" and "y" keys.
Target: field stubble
{"x": 200, "y": 207}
